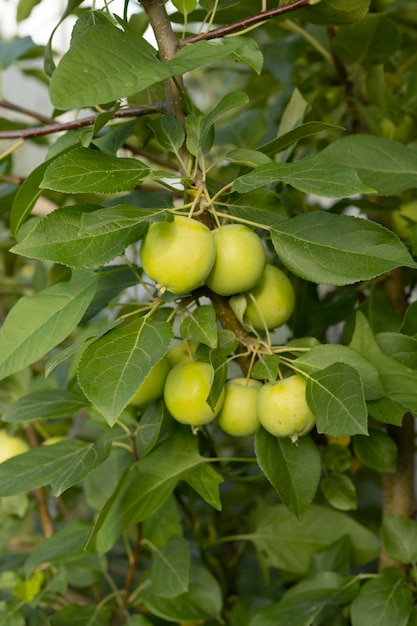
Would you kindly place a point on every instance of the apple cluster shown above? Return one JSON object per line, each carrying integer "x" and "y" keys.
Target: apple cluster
{"x": 231, "y": 261}
{"x": 184, "y": 254}
{"x": 244, "y": 404}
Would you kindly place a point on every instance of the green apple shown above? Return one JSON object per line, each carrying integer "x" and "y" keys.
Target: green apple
{"x": 282, "y": 408}
{"x": 238, "y": 415}
{"x": 181, "y": 352}
{"x": 152, "y": 388}
{"x": 186, "y": 391}
{"x": 11, "y": 446}
{"x": 403, "y": 218}
{"x": 271, "y": 302}
{"x": 178, "y": 255}
{"x": 240, "y": 260}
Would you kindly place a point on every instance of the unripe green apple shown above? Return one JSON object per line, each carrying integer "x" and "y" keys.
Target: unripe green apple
{"x": 238, "y": 415}
{"x": 186, "y": 391}
{"x": 181, "y": 352}
{"x": 11, "y": 446}
{"x": 152, "y": 388}
{"x": 240, "y": 260}
{"x": 403, "y": 218}
{"x": 283, "y": 410}
{"x": 178, "y": 255}
{"x": 271, "y": 302}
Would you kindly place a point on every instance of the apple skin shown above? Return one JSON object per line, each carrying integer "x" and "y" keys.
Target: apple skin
{"x": 238, "y": 416}
{"x": 240, "y": 260}
{"x": 11, "y": 446}
{"x": 283, "y": 410}
{"x": 403, "y": 218}
{"x": 181, "y": 352}
{"x": 152, "y": 388}
{"x": 186, "y": 391}
{"x": 271, "y": 302}
{"x": 178, "y": 255}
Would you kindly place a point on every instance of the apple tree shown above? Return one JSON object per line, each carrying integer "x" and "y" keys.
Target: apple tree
{"x": 208, "y": 349}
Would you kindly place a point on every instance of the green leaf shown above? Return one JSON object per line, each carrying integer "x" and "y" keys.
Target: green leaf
{"x": 205, "y": 481}
{"x": 375, "y": 39}
{"x": 73, "y": 615}
{"x": 249, "y": 54}
{"x": 59, "y": 237}
{"x": 228, "y": 103}
{"x": 62, "y": 465}
{"x": 149, "y": 427}
{"x": 120, "y": 217}
{"x": 377, "y": 451}
{"x": 292, "y": 137}
{"x": 10, "y": 51}
{"x": 266, "y": 367}
{"x": 24, "y": 9}
{"x": 339, "y": 491}
{"x": 200, "y": 326}
{"x": 399, "y": 381}
{"x": 147, "y": 485}
{"x": 337, "y": 249}
{"x": 184, "y": 6}
{"x": 303, "y": 603}
{"x": 47, "y": 404}
{"x": 399, "y": 347}
{"x": 322, "y": 356}
{"x": 66, "y": 543}
{"x": 300, "y": 540}
{"x": 112, "y": 368}
{"x": 170, "y": 572}
{"x": 336, "y": 458}
{"x": 334, "y": 12}
{"x": 84, "y": 170}
{"x": 385, "y": 165}
{"x": 38, "y": 323}
{"x": 312, "y": 174}
{"x": 201, "y": 53}
{"x": 385, "y": 601}
{"x": 335, "y": 396}
{"x": 26, "y": 197}
{"x": 202, "y": 601}
{"x": 92, "y": 73}
{"x": 292, "y": 469}
{"x": 169, "y": 132}
{"x": 399, "y": 538}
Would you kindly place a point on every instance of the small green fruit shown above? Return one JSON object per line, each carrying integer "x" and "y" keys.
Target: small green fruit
{"x": 238, "y": 415}
{"x": 178, "y": 255}
{"x": 186, "y": 391}
{"x": 240, "y": 260}
{"x": 283, "y": 410}
{"x": 271, "y": 302}
{"x": 181, "y": 352}
{"x": 152, "y": 387}
{"x": 11, "y": 446}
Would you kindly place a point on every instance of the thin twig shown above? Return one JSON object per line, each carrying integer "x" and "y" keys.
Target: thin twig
{"x": 58, "y": 127}
{"x": 244, "y": 23}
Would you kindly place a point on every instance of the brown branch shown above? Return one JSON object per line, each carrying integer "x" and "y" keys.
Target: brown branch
{"x": 398, "y": 488}
{"x": 58, "y": 127}
{"x": 5, "y": 104}
{"x": 40, "y": 493}
{"x": 246, "y": 22}
{"x": 168, "y": 45}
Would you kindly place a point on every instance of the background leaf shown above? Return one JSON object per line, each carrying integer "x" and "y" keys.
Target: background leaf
{"x": 385, "y": 165}
{"x": 337, "y": 249}
{"x": 38, "y": 323}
